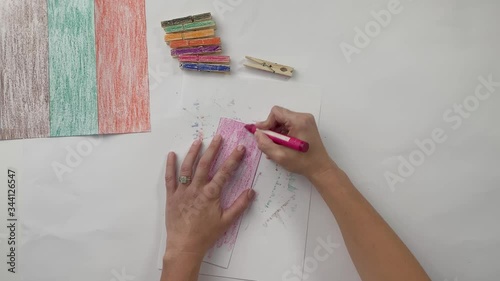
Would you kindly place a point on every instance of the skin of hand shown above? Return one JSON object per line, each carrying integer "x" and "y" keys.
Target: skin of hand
{"x": 299, "y": 125}
{"x": 380, "y": 256}
{"x": 194, "y": 216}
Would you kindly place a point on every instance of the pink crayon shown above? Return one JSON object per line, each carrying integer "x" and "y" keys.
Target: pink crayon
{"x": 280, "y": 139}
{"x": 208, "y": 59}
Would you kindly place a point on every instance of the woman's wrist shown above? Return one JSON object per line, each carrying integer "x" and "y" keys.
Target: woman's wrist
{"x": 181, "y": 266}
{"x": 173, "y": 256}
{"x": 331, "y": 176}
{"x": 319, "y": 171}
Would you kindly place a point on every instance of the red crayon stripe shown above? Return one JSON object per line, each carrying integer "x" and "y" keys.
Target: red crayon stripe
{"x": 197, "y": 58}
{"x": 122, "y": 66}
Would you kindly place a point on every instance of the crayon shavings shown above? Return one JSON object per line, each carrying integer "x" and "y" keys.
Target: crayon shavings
{"x": 193, "y": 42}
{"x": 233, "y": 134}
{"x": 280, "y": 205}
{"x": 201, "y": 122}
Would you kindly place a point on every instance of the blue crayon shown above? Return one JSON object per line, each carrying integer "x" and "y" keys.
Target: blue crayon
{"x": 205, "y": 67}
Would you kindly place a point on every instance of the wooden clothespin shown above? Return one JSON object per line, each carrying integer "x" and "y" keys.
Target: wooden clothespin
{"x": 205, "y": 67}
{"x": 188, "y": 19}
{"x": 195, "y": 42}
{"x": 269, "y": 66}
{"x": 190, "y": 26}
{"x": 189, "y": 35}
{"x": 205, "y": 59}
{"x": 200, "y": 50}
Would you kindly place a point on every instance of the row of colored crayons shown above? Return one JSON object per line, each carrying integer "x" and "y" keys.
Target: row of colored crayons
{"x": 194, "y": 44}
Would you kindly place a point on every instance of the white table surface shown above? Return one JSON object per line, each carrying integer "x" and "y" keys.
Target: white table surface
{"x": 393, "y": 92}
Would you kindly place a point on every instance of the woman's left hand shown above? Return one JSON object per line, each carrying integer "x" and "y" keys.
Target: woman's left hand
{"x": 195, "y": 218}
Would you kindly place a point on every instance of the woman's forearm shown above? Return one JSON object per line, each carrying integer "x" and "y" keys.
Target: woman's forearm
{"x": 376, "y": 250}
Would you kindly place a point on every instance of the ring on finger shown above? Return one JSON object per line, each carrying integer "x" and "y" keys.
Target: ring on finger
{"x": 185, "y": 180}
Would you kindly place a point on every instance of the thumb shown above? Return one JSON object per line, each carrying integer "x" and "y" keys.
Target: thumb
{"x": 239, "y": 206}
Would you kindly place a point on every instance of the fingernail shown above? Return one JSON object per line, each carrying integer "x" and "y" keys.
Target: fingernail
{"x": 240, "y": 147}
{"x": 217, "y": 137}
{"x": 251, "y": 194}
{"x": 196, "y": 142}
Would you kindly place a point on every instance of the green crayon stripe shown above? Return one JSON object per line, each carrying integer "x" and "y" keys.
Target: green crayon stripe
{"x": 175, "y": 28}
{"x": 190, "y": 26}
{"x": 72, "y": 66}
{"x": 199, "y": 25}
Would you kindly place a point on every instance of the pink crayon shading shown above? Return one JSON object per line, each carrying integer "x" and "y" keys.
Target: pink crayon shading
{"x": 196, "y": 50}
{"x": 208, "y": 59}
{"x": 233, "y": 134}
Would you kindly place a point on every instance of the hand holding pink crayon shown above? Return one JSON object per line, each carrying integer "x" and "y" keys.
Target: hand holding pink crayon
{"x": 308, "y": 155}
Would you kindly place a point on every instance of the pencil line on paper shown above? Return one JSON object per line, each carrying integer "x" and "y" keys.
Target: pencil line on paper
{"x": 307, "y": 230}
{"x": 220, "y": 266}
{"x": 230, "y": 278}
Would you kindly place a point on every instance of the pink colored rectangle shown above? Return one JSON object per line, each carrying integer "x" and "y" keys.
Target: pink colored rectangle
{"x": 122, "y": 66}
{"x": 233, "y": 134}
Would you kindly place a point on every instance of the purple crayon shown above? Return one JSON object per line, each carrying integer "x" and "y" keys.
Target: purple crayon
{"x": 196, "y": 50}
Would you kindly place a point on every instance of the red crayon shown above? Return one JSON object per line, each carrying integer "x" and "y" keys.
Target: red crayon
{"x": 280, "y": 139}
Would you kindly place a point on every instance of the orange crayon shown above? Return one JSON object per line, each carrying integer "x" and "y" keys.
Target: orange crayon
{"x": 189, "y": 35}
{"x": 195, "y": 42}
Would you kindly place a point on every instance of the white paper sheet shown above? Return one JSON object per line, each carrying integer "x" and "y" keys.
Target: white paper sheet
{"x": 274, "y": 229}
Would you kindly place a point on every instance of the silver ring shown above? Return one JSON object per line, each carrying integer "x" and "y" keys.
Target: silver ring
{"x": 185, "y": 179}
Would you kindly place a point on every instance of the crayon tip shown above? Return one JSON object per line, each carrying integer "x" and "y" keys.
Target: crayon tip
{"x": 251, "y": 128}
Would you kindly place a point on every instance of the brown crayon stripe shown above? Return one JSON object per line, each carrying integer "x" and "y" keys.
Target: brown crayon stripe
{"x": 24, "y": 82}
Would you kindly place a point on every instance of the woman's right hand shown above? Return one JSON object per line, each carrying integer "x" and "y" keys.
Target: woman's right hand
{"x": 302, "y": 126}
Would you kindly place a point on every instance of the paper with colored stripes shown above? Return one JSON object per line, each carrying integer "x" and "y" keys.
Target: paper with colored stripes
{"x": 233, "y": 134}
{"x": 72, "y": 68}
